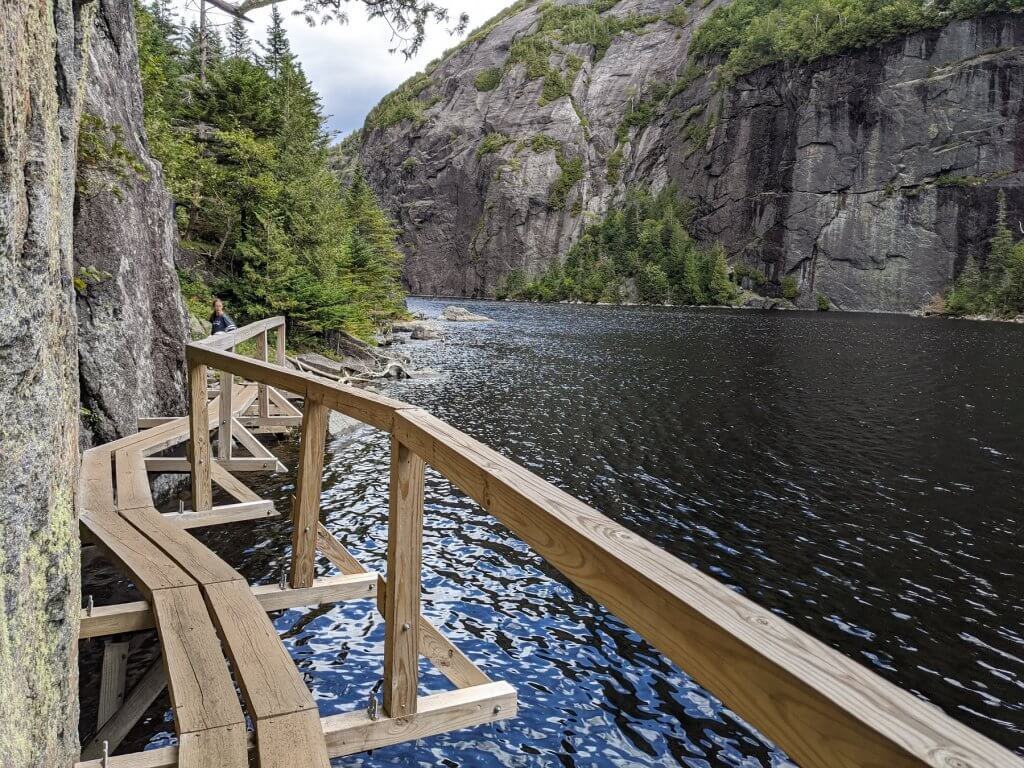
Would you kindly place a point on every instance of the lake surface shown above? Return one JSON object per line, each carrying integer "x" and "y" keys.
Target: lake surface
{"x": 859, "y": 475}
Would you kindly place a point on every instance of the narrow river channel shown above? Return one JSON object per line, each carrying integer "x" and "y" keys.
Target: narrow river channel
{"x": 860, "y": 475}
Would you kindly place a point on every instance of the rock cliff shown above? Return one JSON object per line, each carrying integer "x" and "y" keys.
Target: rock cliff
{"x": 132, "y": 325}
{"x": 868, "y": 177}
{"x": 41, "y": 68}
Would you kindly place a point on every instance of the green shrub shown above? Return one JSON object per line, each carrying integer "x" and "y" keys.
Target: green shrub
{"x": 677, "y": 16}
{"x": 614, "y": 168}
{"x": 571, "y": 175}
{"x": 488, "y": 79}
{"x": 492, "y": 142}
{"x": 540, "y": 143}
{"x": 790, "y": 289}
{"x": 823, "y": 303}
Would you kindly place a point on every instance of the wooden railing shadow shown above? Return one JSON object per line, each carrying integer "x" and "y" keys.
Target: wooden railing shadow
{"x": 821, "y": 707}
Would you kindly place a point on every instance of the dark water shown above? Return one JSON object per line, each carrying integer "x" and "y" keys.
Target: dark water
{"x": 859, "y": 475}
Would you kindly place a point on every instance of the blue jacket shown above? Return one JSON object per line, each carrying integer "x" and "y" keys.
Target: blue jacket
{"x": 222, "y": 324}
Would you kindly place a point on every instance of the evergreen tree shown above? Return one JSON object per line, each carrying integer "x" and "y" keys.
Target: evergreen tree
{"x": 239, "y": 44}
{"x": 1000, "y": 247}
{"x": 277, "y": 49}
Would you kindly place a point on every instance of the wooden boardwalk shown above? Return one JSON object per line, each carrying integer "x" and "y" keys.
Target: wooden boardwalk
{"x": 822, "y": 708}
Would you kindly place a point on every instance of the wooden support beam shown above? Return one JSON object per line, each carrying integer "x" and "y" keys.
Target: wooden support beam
{"x": 271, "y": 422}
{"x": 402, "y": 609}
{"x": 264, "y": 396}
{"x": 224, "y": 423}
{"x": 286, "y": 406}
{"x": 136, "y": 616}
{"x": 199, "y": 444}
{"x": 280, "y": 354}
{"x": 308, "y": 484}
{"x": 112, "y": 677}
{"x": 227, "y": 513}
{"x": 354, "y": 732}
{"x": 173, "y": 464}
{"x": 234, "y": 487}
{"x": 150, "y": 422}
{"x": 120, "y": 724}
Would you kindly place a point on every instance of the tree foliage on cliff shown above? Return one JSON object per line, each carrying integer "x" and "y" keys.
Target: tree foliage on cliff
{"x": 996, "y": 286}
{"x": 642, "y": 243}
{"x": 245, "y": 154}
{"x": 753, "y": 33}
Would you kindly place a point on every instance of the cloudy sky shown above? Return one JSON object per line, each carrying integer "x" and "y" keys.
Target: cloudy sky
{"x": 349, "y": 64}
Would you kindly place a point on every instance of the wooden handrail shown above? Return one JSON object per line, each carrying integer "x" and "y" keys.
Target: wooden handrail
{"x": 822, "y": 708}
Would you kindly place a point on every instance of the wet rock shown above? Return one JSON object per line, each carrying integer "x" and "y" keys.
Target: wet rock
{"x": 455, "y": 314}
{"x": 425, "y": 333}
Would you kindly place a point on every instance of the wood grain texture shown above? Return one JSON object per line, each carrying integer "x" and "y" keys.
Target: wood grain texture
{"x": 337, "y": 552}
{"x": 284, "y": 406}
{"x": 224, "y": 514}
{"x": 135, "y": 616}
{"x": 222, "y": 341}
{"x": 354, "y": 732}
{"x": 96, "y": 481}
{"x": 821, "y": 707}
{"x": 199, "y": 438}
{"x": 174, "y": 464}
{"x": 224, "y": 747}
{"x": 148, "y": 566}
{"x": 280, "y": 739}
{"x": 112, "y": 679}
{"x": 263, "y": 399}
{"x": 138, "y": 700}
{"x": 402, "y": 607}
{"x": 308, "y": 485}
{"x": 191, "y": 556}
{"x": 202, "y": 694}
{"x": 270, "y": 682}
{"x": 132, "y": 481}
{"x": 224, "y": 446}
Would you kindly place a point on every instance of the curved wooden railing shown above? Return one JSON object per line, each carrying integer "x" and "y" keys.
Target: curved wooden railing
{"x": 824, "y": 709}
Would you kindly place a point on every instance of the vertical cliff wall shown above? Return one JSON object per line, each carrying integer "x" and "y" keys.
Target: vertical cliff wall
{"x": 41, "y": 45}
{"x": 868, "y": 176}
{"x": 132, "y": 325}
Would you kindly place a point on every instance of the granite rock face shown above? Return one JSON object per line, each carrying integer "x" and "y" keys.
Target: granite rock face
{"x": 41, "y": 70}
{"x": 868, "y": 177}
{"x": 132, "y": 324}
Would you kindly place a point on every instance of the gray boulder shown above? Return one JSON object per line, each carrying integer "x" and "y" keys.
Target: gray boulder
{"x": 461, "y": 315}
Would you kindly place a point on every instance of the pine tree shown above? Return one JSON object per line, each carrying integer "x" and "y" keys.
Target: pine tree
{"x": 967, "y": 295}
{"x": 1000, "y": 247}
{"x": 239, "y": 44}
{"x": 277, "y": 49}
{"x": 718, "y": 287}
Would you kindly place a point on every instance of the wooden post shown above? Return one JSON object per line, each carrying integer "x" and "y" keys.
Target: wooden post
{"x": 264, "y": 394}
{"x": 115, "y": 666}
{"x": 308, "y": 483}
{"x": 199, "y": 446}
{"x": 280, "y": 354}
{"x": 402, "y": 609}
{"x": 227, "y": 383}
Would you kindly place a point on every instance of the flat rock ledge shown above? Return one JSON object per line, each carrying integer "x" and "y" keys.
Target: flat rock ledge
{"x": 455, "y": 314}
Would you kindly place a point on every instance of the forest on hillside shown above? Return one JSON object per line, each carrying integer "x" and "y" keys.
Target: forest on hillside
{"x": 265, "y": 223}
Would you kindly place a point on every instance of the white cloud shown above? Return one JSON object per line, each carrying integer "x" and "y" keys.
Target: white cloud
{"x": 349, "y": 64}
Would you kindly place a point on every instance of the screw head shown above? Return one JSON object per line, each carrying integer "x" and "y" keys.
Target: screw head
{"x": 406, "y": 627}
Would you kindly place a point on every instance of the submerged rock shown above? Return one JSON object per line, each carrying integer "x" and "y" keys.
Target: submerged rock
{"x": 462, "y": 315}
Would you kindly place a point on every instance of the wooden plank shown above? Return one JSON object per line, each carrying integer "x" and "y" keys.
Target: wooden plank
{"x": 280, "y": 353}
{"x": 202, "y": 694}
{"x": 353, "y": 732}
{"x": 250, "y": 443}
{"x": 270, "y": 682}
{"x": 264, "y": 396}
{"x": 336, "y": 552}
{"x": 290, "y": 740}
{"x": 226, "y": 513}
{"x": 120, "y": 724}
{"x": 271, "y": 425}
{"x": 136, "y": 616}
{"x": 821, "y": 707}
{"x": 149, "y": 567}
{"x": 96, "y": 481}
{"x": 192, "y": 556}
{"x": 402, "y": 609}
{"x": 283, "y": 404}
{"x": 148, "y": 422}
{"x": 232, "y": 485}
{"x": 308, "y": 485}
{"x": 199, "y": 438}
{"x": 132, "y": 481}
{"x": 224, "y": 747}
{"x": 172, "y": 464}
{"x": 112, "y": 678}
{"x": 224, "y": 422}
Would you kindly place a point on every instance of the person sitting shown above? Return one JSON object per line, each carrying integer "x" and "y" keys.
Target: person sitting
{"x": 221, "y": 320}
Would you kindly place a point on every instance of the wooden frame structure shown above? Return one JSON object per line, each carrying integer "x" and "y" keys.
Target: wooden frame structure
{"x": 825, "y": 710}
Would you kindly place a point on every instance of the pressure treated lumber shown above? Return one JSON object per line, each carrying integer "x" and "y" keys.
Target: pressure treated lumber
{"x": 308, "y": 485}
{"x": 223, "y": 747}
{"x": 402, "y": 606}
{"x": 112, "y": 680}
{"x": 135, "y": 616}
{"x": 190, "y": 555}
{"x": 199, "y": 446}
{"x": 261, "y": 354}
{"x": 138, "y": 700}
{"x": 202, "y": 694}
{"x": 280, "y": 739}
{"x": 223, "y": 514}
